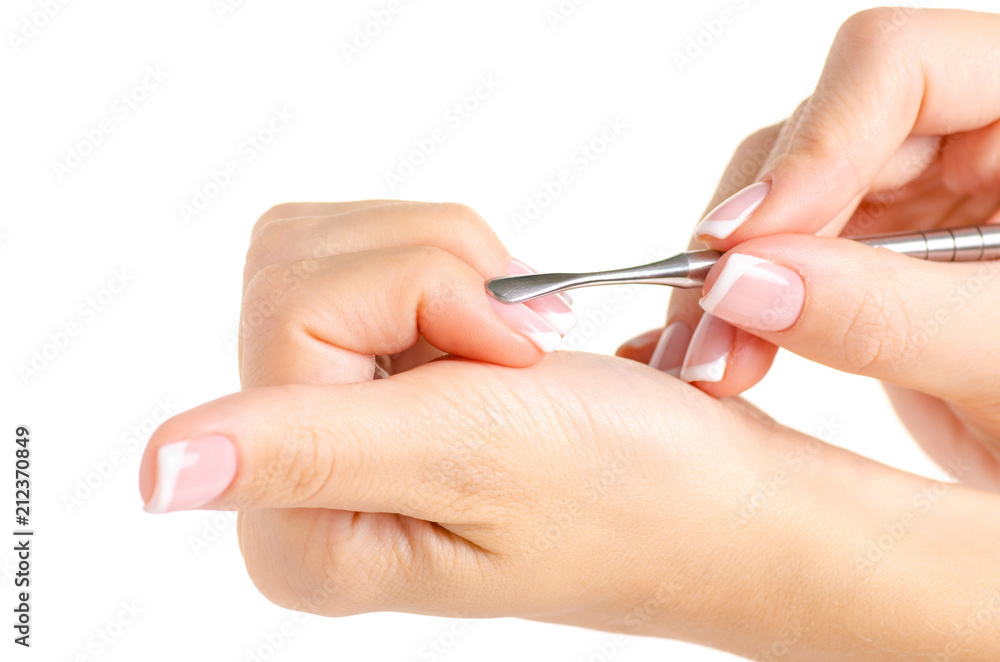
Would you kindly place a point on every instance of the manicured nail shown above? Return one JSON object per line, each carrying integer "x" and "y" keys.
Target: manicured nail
{"x": 528, "y": 323}
{"x": 756, "y": 294}
{"x": 552, "y": 308}
{"x": 708, "y": 353}
{"x": 671, "y": 348}
{"x": 733, "y": 212}
{"x": 192, "y": 473}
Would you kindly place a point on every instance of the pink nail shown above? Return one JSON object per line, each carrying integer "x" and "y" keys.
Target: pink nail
{"x": 671, "y": 348}
{"x": 733, "y": 212}
{"x": 528, "y": 323}
{"x": 553, "y": 308}
{"x": 756, "y": 294}
{"x": 708, "y": 353}
{"x": 192, "y": 473}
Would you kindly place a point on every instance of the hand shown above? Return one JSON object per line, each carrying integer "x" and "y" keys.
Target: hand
{"x": 457, "y": 473}
{"x": 901, "y": 134}
{"x": 575, "y": 489}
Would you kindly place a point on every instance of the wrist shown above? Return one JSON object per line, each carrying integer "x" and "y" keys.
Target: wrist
{"x": 850, "y": 559}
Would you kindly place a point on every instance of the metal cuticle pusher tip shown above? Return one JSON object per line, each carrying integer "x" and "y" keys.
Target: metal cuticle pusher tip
{"x": 683, "y": 270}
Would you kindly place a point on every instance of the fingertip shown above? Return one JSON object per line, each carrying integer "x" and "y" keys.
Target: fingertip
{"x": 723, "y": 360}
{"x": 640, "y": 348}
{"x": 191, "y": 473}
{"x": 529, "y": 324}
{"x": 732, "y": 213}
{"x": 671, "y": 348}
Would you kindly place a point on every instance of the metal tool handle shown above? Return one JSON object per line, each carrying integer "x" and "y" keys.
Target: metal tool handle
{"x": 969, "y": 244}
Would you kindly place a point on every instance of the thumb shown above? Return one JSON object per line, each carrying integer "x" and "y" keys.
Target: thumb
{"x": 407, "y": 444}
{"x": 864, "y": 310}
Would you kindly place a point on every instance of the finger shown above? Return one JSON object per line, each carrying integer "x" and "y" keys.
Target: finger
{"x": 288, "y": 210}
{"x": 640, "y": 348}
{"x": 948, "y": 440}
{"x": 338, "y": 563}
{"x": 868, "y": 311}
{"x": 452, "y": 227}
{"x": 971, "y": 162}
{"x": 747, "y": 358}
{"x": 891, "y": 72}
{"x": 324, "y": 321}
{"x": 376, "y": 446}
{"x": 352, "y": 227}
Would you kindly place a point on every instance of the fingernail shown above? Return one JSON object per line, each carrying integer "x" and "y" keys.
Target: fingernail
{"x": 708, "y": 353}
{"x": 552, "y": 308}
{"x": 192, "y": 473}
{"x": 671, "y": 348}
{"x": 528, "y": 323}
{"x": 516, "y": 267}
{"x": 756, "y": 294}
{"x": 733, "y": 211}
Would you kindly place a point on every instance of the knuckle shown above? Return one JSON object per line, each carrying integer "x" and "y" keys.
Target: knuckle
{"x": 762, "y": 138}
{"x": 481, "y": 245}
{"x": 279, "y": 211}
{"x": 305, "y": 466}
{"x": 749, "y": 158}
{"x": 874, "y": 338}
{"x": 459, "y": 213}
{"x": 269, "y": 301}
{"x": 819, "y": 131}
{"x": 265, "y": 289}
{"x": 264, "y": 248}
{"x": 869, "y": 24}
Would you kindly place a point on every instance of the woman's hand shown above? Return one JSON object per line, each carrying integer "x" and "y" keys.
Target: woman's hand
{"x": 900, "y": 134}
{"x": 572, "y": 488}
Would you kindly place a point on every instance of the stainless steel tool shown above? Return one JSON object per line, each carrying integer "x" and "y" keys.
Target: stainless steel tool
{"x": 688, "y": 269}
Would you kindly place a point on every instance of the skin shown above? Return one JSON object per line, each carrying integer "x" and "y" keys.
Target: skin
{"x": 483, "y": 478}
{"x": 902, "y": 133}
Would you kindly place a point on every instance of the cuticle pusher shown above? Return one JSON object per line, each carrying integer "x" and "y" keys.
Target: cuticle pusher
{"x": 688, "y": 269}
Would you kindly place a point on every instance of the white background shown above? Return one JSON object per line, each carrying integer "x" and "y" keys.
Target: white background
{"x": 168, "y": 336}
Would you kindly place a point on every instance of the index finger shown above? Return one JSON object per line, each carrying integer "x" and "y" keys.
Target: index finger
{"x": 891, "y": 72}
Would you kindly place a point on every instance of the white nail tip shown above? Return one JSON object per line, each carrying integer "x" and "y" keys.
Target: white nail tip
{"x": 547, "y": 342}
{"x": 563, "y": 323}
{"x": 735, "y": 268}
{"x": 170, "y": 461}
{"x": 706, "y": 372}
{"x": 720, "y": 228}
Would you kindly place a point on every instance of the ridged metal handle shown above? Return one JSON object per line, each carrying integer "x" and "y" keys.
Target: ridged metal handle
{"x": 970, "y": 244}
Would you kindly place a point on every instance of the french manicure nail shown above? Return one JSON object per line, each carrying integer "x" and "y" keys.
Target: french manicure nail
{"x": 708, "y": 353}
{"x": 552, "y": 308}
{"x": 668, "y": 355}
{"x": 733, "y": 211}
{"x": 756, "y": 294}
{"x": 192, "y": 473}
{"x": 528, "y": 323}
